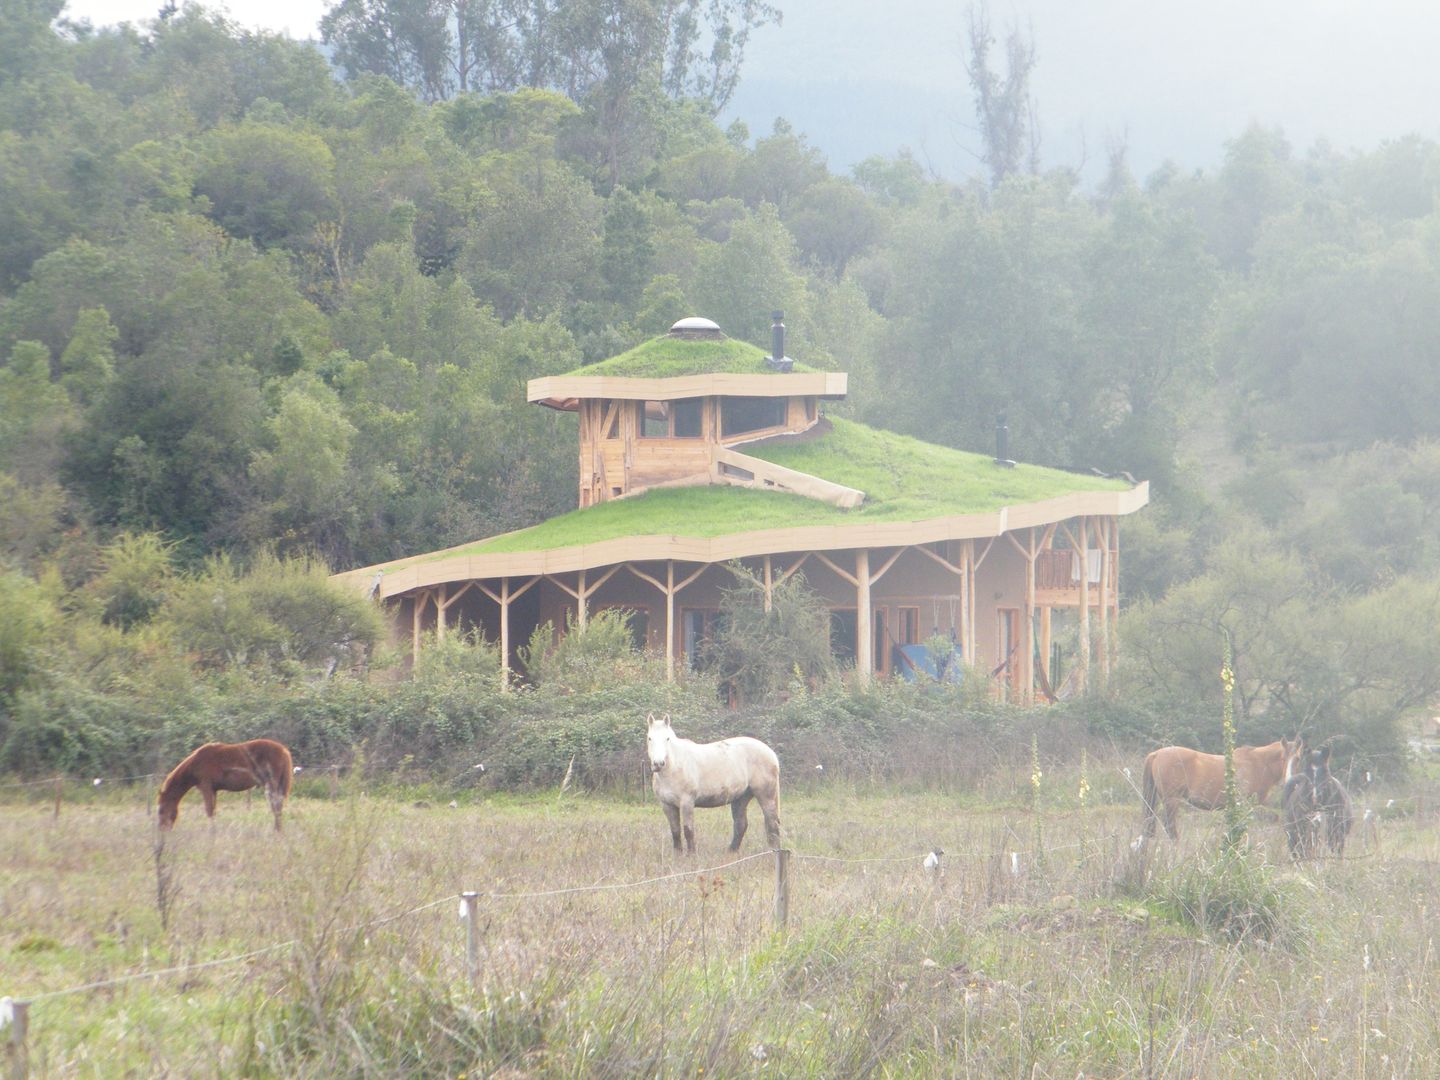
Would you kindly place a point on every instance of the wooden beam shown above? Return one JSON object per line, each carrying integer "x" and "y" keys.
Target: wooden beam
{"x": 769, "y": 475}
{"x": 1033, "y": 547}
{"x": 887, "y": 565}
{"x": 784, "y": 577}
{"x": 849, "y": 577}
{"x": 1084, "y": 680}
{"x": 864, "y": 625}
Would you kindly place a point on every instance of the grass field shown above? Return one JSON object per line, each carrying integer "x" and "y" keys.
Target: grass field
{"x": 1082, "y": 961}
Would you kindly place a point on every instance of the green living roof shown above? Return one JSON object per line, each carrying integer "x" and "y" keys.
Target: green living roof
{"x": 666, "y": 357}
{"x": 904, "y": 479}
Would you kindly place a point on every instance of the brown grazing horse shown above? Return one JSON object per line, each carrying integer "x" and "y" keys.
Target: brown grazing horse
{"x": 1176, "y": 773}
{"x": 1316, "y": 804}
{"x": 228, "y": 767}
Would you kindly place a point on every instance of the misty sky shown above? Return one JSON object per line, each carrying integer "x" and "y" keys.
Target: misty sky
{"x": 1174, "y": 80}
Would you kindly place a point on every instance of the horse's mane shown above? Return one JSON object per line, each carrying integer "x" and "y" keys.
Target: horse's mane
{"x": 179, "y": 774}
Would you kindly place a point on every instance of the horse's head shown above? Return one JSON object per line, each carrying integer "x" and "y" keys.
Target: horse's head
{"x": 1317, "y": 767}
{"x": 168, "y": 811}
{"x": 658, "y": 736}
{"x": 1292, "y": 750}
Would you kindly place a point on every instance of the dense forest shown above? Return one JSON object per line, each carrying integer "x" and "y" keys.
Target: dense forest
{"x": 267, "y": 309}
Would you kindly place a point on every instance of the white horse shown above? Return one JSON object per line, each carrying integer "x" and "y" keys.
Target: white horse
{"x": 687, "y": 774}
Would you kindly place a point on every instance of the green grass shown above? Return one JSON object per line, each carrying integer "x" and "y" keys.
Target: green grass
{"x": 666, "y": 357}
{"x": 904, "y": 479}
{"x": 884, "y": 971}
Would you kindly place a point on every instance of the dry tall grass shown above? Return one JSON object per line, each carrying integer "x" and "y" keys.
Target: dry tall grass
{"x": 1083, "y": 961}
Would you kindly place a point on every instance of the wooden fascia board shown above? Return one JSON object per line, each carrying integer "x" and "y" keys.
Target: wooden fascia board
{"x": 564, "y": 391}
{"x": 742, "y": 545}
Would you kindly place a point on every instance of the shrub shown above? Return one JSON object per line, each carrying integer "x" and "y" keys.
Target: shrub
{"x": 1237, "y": 895}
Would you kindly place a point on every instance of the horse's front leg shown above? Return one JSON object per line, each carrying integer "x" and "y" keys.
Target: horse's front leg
{"x": 739, "y": 810}
{"x": 672, "y": 814}
{"x": 687, "y": 824}
{"x": 207, "y": 792}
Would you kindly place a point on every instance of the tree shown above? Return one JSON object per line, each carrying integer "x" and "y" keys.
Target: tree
{"x": 408, "y": 41}
{"x": 761, "y": 648}
{"x": 1004, "y": 111}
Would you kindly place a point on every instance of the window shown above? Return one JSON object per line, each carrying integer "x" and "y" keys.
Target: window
{"x": 741, "y": 414}
{"x": 687, "y": 418}
{"x": 654, "y": 420}
{"x": 698, "y": 627}
{"x": 907, "y": 625}
{"x": 671, "y": 419}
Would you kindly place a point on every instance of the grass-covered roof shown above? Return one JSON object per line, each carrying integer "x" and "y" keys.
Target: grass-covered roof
{"x": 666, "y": 357}
{"x": 903, "y": 480}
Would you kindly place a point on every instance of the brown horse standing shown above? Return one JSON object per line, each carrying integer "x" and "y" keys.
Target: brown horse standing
{"x": 1176, "y": 773}
{"x": 228, "y": 767}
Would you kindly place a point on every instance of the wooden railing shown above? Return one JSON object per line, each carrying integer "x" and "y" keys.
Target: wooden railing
{"x": 1059, "y": 569}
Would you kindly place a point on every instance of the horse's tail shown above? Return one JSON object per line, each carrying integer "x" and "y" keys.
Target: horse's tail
{"x": 1149, "y": 795}
{"x": 284, "y": 766}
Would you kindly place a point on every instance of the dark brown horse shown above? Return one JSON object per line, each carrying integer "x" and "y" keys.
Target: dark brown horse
{"x": 1176, "y": 774}
{"x": 1316, "y": 805}
{"x": 228, "y": 767}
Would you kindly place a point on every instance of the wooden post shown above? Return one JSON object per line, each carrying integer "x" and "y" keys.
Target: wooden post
{"x": 17, "y": 1053}
{"x": 1045, "y": 647}
{"x": 441, "y": 606}
{"x": 670, "y": 619}
{"x": 782, "y": 888}
{"x": 472, "y": 936}
{"x": 1102, "y": 534}
{"x": 580, "y": 601}
{"x": 1027, "y": 669}
{"x": 1084, "y": 680}
{"x": 769, "y": 587}
{"x": 864, "y": 627}
{"x": 59, "y": 782}
{"x": 504, "y": 633}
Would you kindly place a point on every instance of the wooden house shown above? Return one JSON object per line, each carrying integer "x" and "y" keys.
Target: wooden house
{"x": 696, "y": 450}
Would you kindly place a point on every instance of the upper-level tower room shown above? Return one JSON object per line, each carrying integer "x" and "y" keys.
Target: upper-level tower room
{"x": 673, "y": 411}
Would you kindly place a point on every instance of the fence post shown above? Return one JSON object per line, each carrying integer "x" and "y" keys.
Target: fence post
{"x": 782, "y": 887}
{"x": 58, "y": 783}
{"x": 472, "y": 936}
{"x": 17, "y": 1054}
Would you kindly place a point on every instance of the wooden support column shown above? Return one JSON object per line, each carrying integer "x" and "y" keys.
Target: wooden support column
{"x": 669, "y": 589}
{"x": 769, "y": 586}
{"x": 967, "y": 601}
{"x": 1084, "y": 678}
{"x": 1027, "y": 637}
{"x": 1049, "y": 679}
{"x": 582, "y": 602}
{"x": 504, "y": 598}
{"x": 1102, "y": 528}
{"x": 669, "y": 620}
{"x": 417, "y": 603}
{"x": 1027, "y": 669}
{"x": 864, "y": 620}
{"x": 1115, "y": 591}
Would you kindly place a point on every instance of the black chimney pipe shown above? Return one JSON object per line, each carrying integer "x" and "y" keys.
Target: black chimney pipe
{"x": 777, "y": 359}
{"x": 1002, "y": 442}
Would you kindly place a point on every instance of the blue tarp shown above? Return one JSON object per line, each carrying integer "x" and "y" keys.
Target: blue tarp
{"x": 920, "y": 659}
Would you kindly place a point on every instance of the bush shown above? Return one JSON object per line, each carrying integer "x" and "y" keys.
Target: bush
{"x": 1237, "y": 895}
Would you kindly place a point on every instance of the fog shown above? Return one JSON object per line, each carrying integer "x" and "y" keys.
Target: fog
{"x": 1171, "y": 81}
